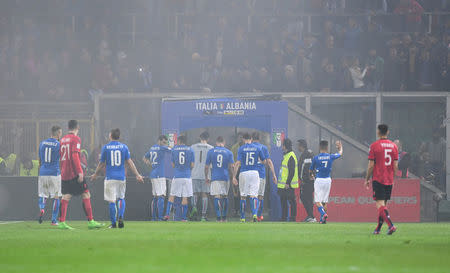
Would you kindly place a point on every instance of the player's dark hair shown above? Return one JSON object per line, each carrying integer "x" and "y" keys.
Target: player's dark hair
{"x": 246, "y": 136}
{"x": 383, "y": 129}
{"x": 115, "y": 133}
{"x": 204, "y": 136}
{"x": 162, "y": 137}
{"x": 55, "y": 130}
{"x": 73, "y": 124}
{"x": 255, "y": 136}
{"x": 181, "y": 140}
{"x": 302, "y": 143}
{"x": 219, "y": 139}
{"x": 287, "y": 143}
{"x": 323, "y": 145}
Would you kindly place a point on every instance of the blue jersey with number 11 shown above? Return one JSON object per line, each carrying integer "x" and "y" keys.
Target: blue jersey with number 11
{"x": 322, "y": 164}
{"x": 114, "y": 155}
{"x": 249, "y": 155}
{"x": 49, "y": 156}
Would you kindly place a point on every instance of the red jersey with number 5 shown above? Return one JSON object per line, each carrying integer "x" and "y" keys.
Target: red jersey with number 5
{"x": 384, "y": 152}
{"x": 70, "y": 157}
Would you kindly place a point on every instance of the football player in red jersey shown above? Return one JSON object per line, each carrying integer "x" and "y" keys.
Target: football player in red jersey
{"x": 383, "y": 164}
{"x": 72, "y": 177}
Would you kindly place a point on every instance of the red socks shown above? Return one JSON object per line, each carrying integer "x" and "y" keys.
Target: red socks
{"x": 383, "y": 212}
{"x": 63, "y": 210}
{"x": 87, "y": 208}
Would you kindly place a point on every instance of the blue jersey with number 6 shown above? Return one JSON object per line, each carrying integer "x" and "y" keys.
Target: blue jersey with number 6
{"x": 322, "y": 164}
{"x": 249, "y": 155}
{"x": 219, "y": 158}
{"x": 182, "y": 157}
{"x": 156, "y": 156}
{"x": 49, "y": 156}
{"x": 114, "y": 155}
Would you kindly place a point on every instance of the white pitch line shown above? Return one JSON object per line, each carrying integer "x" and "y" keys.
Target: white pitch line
{"x": 9, "y": 222}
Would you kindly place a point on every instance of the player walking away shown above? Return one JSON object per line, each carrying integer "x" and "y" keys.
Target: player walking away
{"x": 248, "y": 156}
{"x": 183, "y": 161}
{"x": 200, "y": 187}
{"x": 262, "y": 173}
{"x": 383, "y": 164}
{"x": 155, "y": 158}
{"x": 113, "y": 158}
{"x": 306, "y": 183}
{"x": 288, "y": 182}
{"x": 221, "y": 160}
{"x": 235, "y": 189}
{"x": 72, "y": 178}
{"x": 321, "y": 168}
{"x": 49, "y": 180}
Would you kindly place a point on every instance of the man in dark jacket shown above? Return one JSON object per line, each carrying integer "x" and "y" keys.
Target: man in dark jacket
{"x": 306, "y": 184}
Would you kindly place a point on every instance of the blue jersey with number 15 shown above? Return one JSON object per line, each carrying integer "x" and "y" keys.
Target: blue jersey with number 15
{"x": 182, "y": 157}
{"x": 323, "y": 163}
{"x": 156, "y": 156}
{"x": 249, "y": 154}
{"x": 114, "y": 155}
{"x": 49, "y": 156}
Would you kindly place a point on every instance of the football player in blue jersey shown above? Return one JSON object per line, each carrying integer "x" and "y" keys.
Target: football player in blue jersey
{"x": 183, "y": 161}
{"x": 262, "y": 173}
{"x": 220, "y": 160}
{"x": 248, "y": 156}
{"x": 155, "y": 157}
{"x": 113, "y": 157}
{"x": 321, "y": 168}
{"x": 49, "y": 180}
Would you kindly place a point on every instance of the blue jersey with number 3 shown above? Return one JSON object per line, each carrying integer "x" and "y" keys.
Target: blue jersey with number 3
{"x": 156, "y": 156}
{"x": 322, "y": 164}
{"x": 249, "y": 155}
{"x": 182, "y": 157}
{"x": 219, "y": 158}
{"x": 114, "y": 155}
{"x": 49, "y": 156}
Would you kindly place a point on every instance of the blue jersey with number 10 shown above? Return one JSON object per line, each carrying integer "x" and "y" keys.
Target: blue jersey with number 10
{"x": 49, "y": 156}
{"x": 249, "y": 155}
{"x": 114, "y": 155}
{"x": 322, "y": 164}
{"x": 182, "y": 157}
{"x": 219, "y": 158}
{"x": 156, "y": 156}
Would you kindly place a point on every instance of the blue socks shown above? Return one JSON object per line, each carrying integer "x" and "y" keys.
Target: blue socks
{"x": 260, "y": 207}
{"x": 321, "y": 210}
{"x": 160, "y": 206}
{"x": 55, "y": 211}
{"x": 218, "y": 208}
{"x": 112, "y": 213}
{"x": 184, "y": 209}
{"x": 121, "y": 205}
{"x": 42, "y": 201}
{"x": 242, "y": 207}
{"x": 169, "y": 208}
{"x": 177, "y": 205}
{"x": 224, "y": 208}
{"x": 154, "y": 208}
{"x": 254, "y": 205}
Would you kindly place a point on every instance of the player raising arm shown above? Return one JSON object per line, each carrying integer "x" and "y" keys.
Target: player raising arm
{"x": 383, "y": 164}
{"x": 113, "y": 158}
{"x": 221, "y": 160}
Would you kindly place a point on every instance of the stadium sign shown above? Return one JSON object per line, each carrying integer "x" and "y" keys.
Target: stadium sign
{"x": 236, "y": 108}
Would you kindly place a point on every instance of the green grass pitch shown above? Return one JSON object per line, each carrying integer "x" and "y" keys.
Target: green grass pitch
{"x": 224, "y": 247}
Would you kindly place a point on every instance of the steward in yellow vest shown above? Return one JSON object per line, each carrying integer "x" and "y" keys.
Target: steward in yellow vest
{"x": 29, "y": 167}
{"x": 288, "y": 182}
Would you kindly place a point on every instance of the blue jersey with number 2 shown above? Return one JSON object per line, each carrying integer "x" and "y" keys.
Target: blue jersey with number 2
{"x": 322, "y": 164}
{"x": 114, "y": 155}
{"x": 249, "y": 155}
{"x": 182, "y": 157}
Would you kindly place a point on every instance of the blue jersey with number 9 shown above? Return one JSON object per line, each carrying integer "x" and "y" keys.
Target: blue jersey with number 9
{"x": 220, "y": 158}
{"x": 114, "y": 155}
{"x": 249, "y": 154}
{"x": 182, "y": 157}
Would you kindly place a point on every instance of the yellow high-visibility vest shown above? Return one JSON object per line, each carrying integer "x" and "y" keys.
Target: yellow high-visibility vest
{"x": 284, "y": 172}
{"x": 30, "y": 172}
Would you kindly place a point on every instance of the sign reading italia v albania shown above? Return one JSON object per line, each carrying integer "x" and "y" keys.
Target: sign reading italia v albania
{"x": 350, "y": 201}
{"x": 231, "y": 108}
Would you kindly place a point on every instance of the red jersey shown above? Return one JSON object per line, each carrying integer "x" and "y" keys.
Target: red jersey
{"x": 70, "y": 157}
{"x": 384, "y": 152}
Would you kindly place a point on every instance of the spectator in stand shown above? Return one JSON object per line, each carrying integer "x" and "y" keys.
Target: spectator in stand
{"x": 290, "y": 82}
{"x": 263, "y": 80}
{"x": 358, "y": 75}
{"x": 394, "y": 71}
{"x": 409, "y": 52}
{"x": 436, "y": 149}
{"x": 404, "y": 160}
{"x": 375, "y": 71}
{"x": 412, "y": 11}
{"x": 328, "y": 78}
{"x": 351, "y": 36}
